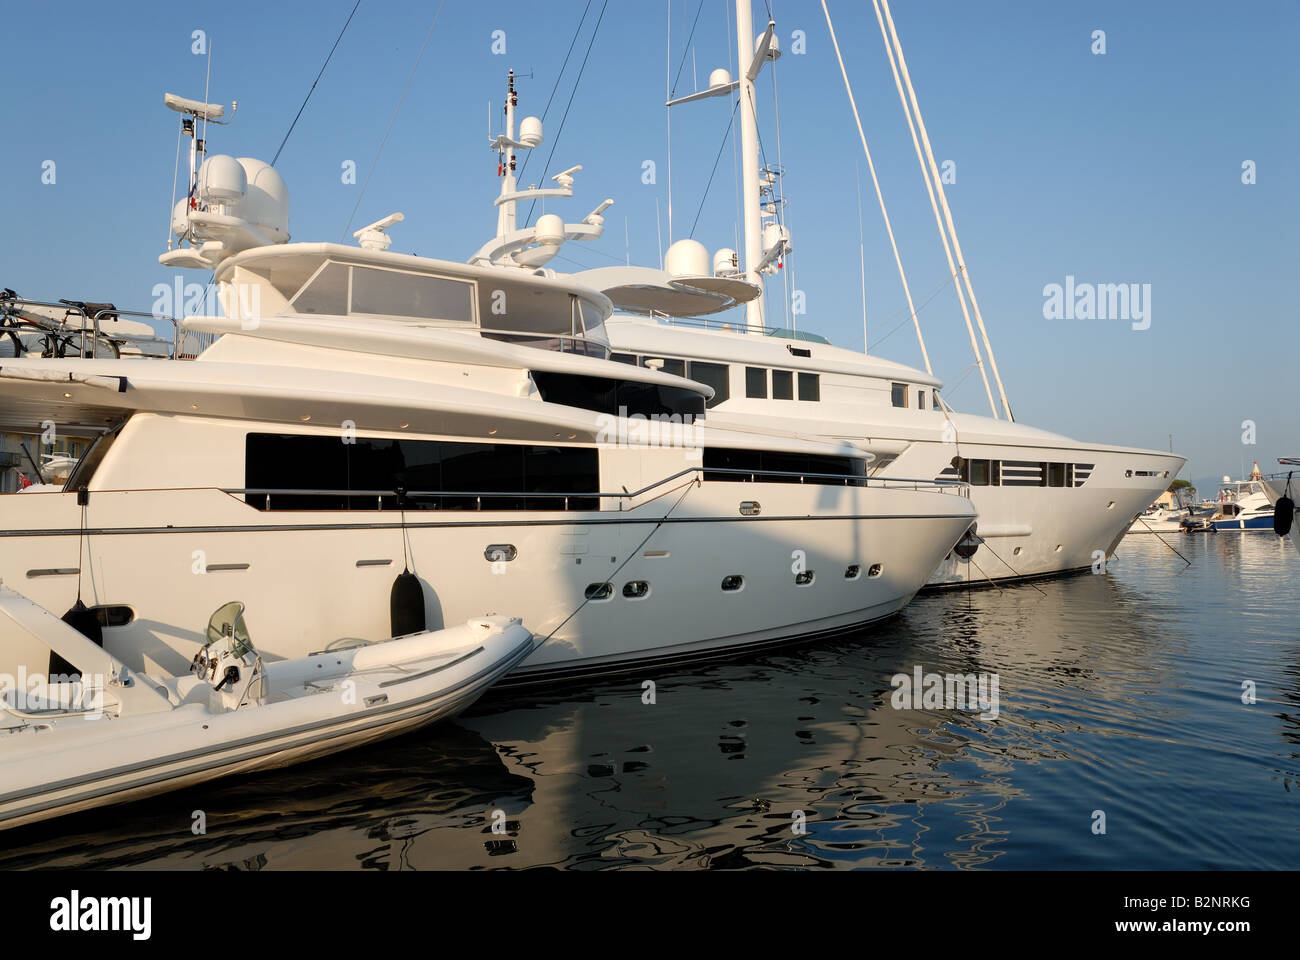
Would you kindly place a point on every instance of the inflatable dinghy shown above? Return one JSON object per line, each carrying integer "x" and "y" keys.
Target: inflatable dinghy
{"x": 107, "y": 734}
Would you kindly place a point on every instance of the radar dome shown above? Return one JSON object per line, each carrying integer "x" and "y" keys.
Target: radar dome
{"x": 530, "y": 132}
{"x": 550, "y": 230}
{"x": 687, "y": 258}
{"x": 719, "y": 78}
{"x": 726, "y": 263}
{"x": 266, "y": 201}
{"x": 222, "y": 180}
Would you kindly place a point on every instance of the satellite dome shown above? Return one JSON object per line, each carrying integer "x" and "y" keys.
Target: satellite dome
{"x": 687, "y": 258}
{"x": 530, "y": 132}
{"x": 266, "y": 201}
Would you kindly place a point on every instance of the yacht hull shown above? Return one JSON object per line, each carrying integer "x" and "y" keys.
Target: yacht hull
{"x": 1037, "y": 531}
{"x": 313, "y": 578}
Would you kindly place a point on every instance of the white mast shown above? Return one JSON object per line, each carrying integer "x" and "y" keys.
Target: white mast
{"x": 753, "y": 229}
{"x": 764, "y": 244}
{"x": 506, "y": 216}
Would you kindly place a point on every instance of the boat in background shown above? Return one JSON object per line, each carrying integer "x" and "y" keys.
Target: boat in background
{"x": 1243, "y": 505}
{"x": 1160, "y": 519}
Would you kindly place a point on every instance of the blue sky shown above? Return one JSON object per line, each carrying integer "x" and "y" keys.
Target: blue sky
{"x": 1120, "y": 168}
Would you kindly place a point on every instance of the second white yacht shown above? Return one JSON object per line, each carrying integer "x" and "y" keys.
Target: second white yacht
{"x": 1048, "y": 504}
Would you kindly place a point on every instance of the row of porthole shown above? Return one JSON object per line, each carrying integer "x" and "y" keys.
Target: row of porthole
{"x": 640, "y": 589}
{"x": 632, "y": 590}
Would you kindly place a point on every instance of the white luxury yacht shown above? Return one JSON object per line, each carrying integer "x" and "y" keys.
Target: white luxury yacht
{"x": 363, "y": 412}
{"x": 1047, "y": 503}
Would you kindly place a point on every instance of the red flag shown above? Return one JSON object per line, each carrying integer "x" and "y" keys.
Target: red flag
{"x": 23, "y": 482}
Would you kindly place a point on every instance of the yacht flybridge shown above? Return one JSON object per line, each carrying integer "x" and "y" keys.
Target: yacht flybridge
{"x": 365, "y": 415}
{"x": 1047, "y": 503}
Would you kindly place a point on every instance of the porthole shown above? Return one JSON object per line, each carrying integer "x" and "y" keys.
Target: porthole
{"x": 853, "y": 571}
{"x": 500, "y": 552}
{"x": 1016, "y": 552}
{"x": 733, "y": 582}
{"x": 1058, "y": 548}
{"x": 750, "y": 508}
{"x": 874, "y": 570}
{"x": 636, "y": 589}
{"x": 805, "y": 579}
{"x": 113, "y": 616}
{"x": 599, "y": 591}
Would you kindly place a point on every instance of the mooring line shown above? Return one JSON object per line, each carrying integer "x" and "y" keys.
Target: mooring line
{"x": 1162, "y": 540}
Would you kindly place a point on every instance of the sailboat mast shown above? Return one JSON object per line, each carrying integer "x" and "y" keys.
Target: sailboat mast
{"x": 750, "y": 199}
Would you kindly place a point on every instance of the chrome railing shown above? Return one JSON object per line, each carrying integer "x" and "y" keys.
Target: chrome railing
{"x": 954, "y": 487}
{"x": 714, "y": 323}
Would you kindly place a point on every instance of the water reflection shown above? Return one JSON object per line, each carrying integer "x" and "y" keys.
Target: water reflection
{"x": 1119, "y": 693}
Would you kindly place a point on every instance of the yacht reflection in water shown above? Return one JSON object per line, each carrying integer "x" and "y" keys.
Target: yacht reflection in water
{"x": 712, "y": 774}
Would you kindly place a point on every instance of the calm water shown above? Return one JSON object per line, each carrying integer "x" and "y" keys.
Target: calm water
{"x": 1119, "y": 693}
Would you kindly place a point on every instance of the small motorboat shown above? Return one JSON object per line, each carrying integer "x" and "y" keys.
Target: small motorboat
{"x": 106, "y": 734}
{"x": 1243, "y": 505}
{"x": 1197, "y": 524}
{"x": 1159, "y": 520}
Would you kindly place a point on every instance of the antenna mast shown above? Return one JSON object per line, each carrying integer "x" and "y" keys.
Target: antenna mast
{"x": 753, "y": 235}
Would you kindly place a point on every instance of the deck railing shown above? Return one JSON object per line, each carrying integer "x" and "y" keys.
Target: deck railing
{"x": 402, "y": 497}
{"x": 61, "y": 332}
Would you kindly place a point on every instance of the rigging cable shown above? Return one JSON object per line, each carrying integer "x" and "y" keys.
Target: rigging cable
{"x": 879, "y": 195}
{"x": 952, "y": 229}
{"x": 682, "y": 63}
{"x": 400, "y": 101}
{"x": 556, "y": 86}
{"x": 554, "y": 143}
{"x": 314, "y": 82}
{"x": 934, "y": 205}
{"x": 722, "y": 146}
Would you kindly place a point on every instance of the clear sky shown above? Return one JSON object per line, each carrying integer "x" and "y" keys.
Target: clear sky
{"x": 1124, "y": 167}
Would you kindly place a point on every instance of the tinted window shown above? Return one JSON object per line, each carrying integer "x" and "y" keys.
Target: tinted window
{"x": 328, "y": 293}
{"x": 624, "y": 358}
{"x": 1056, "y": 474}
{"x": 605, "y": 395}
{"x": 676, "y": 367}
{"x": 810, "y": 387}
{"x": 714, "y": 375}
{"x": 782, "y": 385}
{"x": 756, "y": 382}
{"x": 782, "y": 462}
{"x": 898, "y": 394}
{"x": 425, "y": 469}
{"x": 389, "y": 293}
